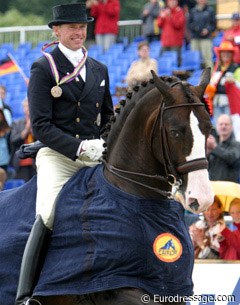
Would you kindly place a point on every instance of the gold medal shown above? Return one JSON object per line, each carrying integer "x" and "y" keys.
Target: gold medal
{"x": 56, "y": 91}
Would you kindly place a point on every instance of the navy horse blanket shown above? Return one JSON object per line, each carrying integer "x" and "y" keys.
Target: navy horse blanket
{"x": 102, "y": 239}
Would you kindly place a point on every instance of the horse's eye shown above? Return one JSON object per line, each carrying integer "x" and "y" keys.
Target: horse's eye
{"x": 175, "y": 133}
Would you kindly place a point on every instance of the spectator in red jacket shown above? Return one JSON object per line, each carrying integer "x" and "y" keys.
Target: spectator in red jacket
{"x": 233, "y": 35}
{"x": 172, "y": 21}
{"x": 230, "y": 240}
{"x": 106, "y": 13}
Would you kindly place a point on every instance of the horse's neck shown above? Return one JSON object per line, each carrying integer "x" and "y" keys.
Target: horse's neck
{"x": 132, "y": 100}
{"x": 132, "y": 152}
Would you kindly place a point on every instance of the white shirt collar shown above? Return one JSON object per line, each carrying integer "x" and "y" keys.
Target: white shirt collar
{"x": 70, "y": 54}
{"x": 74, "y": 57}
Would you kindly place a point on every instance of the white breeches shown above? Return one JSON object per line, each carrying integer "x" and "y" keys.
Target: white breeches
{"x": 53, "y": 171}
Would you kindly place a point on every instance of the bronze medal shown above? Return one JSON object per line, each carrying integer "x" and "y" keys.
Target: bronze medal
{"x": 56, "y": 91}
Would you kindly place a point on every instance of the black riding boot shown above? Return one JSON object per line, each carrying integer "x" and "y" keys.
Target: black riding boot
{"x": 32, "y": 261}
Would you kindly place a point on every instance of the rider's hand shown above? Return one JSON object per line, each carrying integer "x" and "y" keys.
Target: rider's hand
{"x": 92, "y": 149}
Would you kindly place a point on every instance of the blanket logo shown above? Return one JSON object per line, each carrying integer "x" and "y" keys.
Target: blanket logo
{"x": 167, "y": 247}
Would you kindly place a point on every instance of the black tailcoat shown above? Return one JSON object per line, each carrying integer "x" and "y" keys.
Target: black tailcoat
{"x": 81, "y": 111}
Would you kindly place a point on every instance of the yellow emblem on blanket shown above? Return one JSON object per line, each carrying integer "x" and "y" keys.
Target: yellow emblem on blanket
{"x": 167, "y": 247}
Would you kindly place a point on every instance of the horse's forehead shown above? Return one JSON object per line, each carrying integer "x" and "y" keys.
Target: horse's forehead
{"x": 198, "y": 148}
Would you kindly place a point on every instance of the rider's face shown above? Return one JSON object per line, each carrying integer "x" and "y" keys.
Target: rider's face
{"x": 72, "y": 35}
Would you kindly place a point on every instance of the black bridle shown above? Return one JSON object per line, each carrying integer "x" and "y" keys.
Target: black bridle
{"x": 185, "y": 167}
{"x": 173, "y": 172}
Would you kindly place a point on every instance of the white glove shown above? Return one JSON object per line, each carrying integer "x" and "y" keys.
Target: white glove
{"x": 92, "y": 149}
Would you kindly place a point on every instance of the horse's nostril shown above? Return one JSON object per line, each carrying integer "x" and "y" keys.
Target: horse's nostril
{"x": 194, "y": 205}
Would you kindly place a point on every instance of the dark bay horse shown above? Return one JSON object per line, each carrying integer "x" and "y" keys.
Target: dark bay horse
{"x": 119, "y": 235}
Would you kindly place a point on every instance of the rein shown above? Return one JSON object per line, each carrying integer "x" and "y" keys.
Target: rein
{"x": 118, "y": 172}
{"x": 172, "y": 172}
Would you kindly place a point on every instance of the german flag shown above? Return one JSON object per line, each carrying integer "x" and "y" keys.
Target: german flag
{"x": 7, "y": 66}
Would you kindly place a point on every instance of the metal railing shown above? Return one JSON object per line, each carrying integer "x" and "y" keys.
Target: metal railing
{"x": 22, "y": 34}
{"x": 38, "y": 33}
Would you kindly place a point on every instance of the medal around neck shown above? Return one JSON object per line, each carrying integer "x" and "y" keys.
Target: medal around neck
{"x": 56, "y": 91}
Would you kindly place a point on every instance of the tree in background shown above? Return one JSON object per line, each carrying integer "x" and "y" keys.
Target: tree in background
{"x": 14, "y": 18}
{"x": 130, "y": 9}
{"x": 4, "y": 6}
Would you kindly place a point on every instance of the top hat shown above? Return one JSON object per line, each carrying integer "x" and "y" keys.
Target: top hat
{"x": 70, "y": 13}
{"x": 235, "y": 16}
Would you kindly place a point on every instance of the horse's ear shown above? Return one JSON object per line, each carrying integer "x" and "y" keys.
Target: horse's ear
{"x": 204, "y": 81}
{"x": 162, "y": 87}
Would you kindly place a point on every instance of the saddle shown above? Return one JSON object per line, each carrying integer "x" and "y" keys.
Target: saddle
{"x": 29, "y": 150}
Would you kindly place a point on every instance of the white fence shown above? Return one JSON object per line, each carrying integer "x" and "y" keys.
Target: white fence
{"x": 35, "y": 34}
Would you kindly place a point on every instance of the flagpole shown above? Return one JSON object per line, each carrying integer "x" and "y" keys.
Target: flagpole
{"x": 20, "y": 69}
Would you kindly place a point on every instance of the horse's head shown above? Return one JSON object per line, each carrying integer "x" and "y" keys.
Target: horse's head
{"x": 180, "y": 130}
{"x": 157, "y": 144}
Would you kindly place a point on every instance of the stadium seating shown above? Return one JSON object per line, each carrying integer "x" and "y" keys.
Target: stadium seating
{"x": 191, "y": 60}
{"x": 118, "y": 60}
{"x": 165, "y": 66}
{"x": 12, "y": 183}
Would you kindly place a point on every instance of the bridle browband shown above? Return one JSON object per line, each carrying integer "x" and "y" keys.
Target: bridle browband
{"x": 172, "y": 172}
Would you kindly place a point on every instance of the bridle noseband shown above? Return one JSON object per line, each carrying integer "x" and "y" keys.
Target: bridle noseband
{"x": 173, "y": 172}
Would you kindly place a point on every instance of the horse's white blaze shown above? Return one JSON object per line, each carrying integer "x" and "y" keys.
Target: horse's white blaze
{"x": 198, "y": 186}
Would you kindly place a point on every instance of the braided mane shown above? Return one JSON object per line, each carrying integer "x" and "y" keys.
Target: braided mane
{"x": 126, "y": 106}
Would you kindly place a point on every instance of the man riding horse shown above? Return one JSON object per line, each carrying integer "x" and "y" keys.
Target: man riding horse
{"x": 69, "y": 102}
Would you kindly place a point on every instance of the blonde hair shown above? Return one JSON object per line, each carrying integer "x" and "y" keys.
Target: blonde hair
{"x": 235, "y": 201}
{"x": 143, "y": 44}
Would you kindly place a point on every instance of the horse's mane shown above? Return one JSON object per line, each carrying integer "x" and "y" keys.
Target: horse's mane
{"x": 116, "y": 124}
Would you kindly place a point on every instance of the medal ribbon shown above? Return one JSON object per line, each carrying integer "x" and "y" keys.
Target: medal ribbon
{"x": 68, "y": 78}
